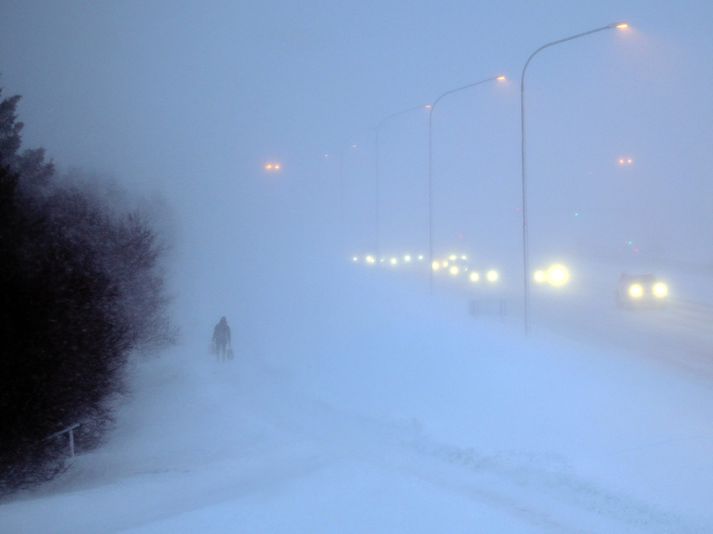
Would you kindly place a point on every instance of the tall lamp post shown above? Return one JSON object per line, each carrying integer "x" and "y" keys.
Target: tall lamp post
{"x": 525, "y": 243}
{"x": 377, "y": 170}
{"x": 431, "y": 109}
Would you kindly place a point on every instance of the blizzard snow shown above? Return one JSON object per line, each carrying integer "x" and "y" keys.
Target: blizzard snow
{"x": 393, "y": 414}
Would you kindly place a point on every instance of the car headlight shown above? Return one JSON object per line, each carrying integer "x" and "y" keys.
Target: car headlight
{"x": 436, "y": 265}
{"x": 540, "y": 276}
{"x": 558, "y": 275}
{"x": 492, "y": 276}
{"x": 454, "y": 270}
{"x": 660, "y": 290}
{"x": 371, "y": 260}
{"x": 636, "y": 291}
{"x": 474, "y": 277}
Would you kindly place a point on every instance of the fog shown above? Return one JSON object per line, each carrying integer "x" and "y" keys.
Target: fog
{"x": 187, "y": 101}
{"x": 191, "y": 99}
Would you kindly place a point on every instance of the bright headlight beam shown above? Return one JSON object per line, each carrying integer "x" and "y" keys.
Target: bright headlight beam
{"x": 660, "y": 290}
{"x": 635, "y": 291}
{"x": 474, "y": 277}
{"x": 558, "y": 275}
{"x": 492, "y": 276}
{"x": 454, "y": 270}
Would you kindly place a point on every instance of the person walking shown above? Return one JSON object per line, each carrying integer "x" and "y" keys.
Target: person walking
{"x": 221, "y": 339}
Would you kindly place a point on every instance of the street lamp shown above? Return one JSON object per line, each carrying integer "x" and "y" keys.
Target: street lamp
{"x": 431, "y": 109}
{"x": 525, "y": 243}
{"x": 342, "y": 185}
{"x": 377, "y": 175}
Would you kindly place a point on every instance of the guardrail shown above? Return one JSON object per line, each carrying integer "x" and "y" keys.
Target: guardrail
{"x": 70, "y": 431}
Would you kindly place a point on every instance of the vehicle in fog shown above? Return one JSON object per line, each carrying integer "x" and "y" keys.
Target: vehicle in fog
{"x": 641, "y": 291}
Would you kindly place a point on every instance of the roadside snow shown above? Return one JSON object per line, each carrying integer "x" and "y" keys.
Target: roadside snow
{"x": 392, "y": 414}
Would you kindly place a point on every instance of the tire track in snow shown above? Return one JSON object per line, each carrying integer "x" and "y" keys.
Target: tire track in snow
{"x": 527, "y": 486}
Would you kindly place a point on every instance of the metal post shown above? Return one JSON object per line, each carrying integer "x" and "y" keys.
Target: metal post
{"x": 430, "y": 169}
{"x": 525, "y": 232}
{"x": 430, "y": 199}
{"x": 377, "y": 197}
{"x": 377, "y": 171}
{"x": 342, "y": 219}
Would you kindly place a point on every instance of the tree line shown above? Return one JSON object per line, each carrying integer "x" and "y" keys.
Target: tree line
{"x": 82, "y": 287}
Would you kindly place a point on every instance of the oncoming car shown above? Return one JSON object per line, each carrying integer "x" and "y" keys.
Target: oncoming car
{"x": 641, "y": 290}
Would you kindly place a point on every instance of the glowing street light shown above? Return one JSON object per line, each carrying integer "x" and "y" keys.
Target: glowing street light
{"x": 622, "y": 26}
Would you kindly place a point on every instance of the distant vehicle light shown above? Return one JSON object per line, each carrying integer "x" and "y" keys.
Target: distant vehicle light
{"x": 444, "y": 263}
{"x": 474, "y": 277}
{"x": 436, "y": 265}
{"x": 636, "y": 291}
{"x": 558, "y": 275}
{"x": 355, "y": 259}
{"x": 454, "y": 270}
{"x": 371, "y": 260}
{"x": 660, "y": 290}
{"x": 394, "y": 261}
{"x": 492, "y": 276}
{"x": 464, "y": 257}
{"x": 420, "y": 257}
{"x": 407, "y": 258}
{"x": 540, "y": 276}
{"x": 452, "y": 257}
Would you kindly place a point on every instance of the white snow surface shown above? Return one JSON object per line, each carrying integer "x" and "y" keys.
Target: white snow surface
{"x": 378, "y": 408}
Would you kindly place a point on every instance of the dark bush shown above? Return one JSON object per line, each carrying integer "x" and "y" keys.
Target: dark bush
{"x": 81, "y": 287}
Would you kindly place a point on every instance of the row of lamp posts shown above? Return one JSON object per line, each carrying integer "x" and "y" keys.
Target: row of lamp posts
{"x": 431, "y": 108}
